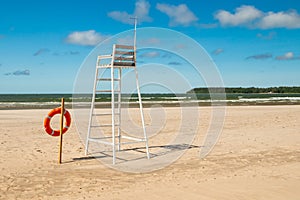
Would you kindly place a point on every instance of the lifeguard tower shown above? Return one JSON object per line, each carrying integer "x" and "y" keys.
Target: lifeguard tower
{"x": 122, "y": 57}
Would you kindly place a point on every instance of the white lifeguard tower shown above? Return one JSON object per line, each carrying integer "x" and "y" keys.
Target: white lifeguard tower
{"x": 122, "y": 57}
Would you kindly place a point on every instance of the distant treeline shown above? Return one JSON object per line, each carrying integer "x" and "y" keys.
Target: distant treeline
{"x": 281, "y": 90}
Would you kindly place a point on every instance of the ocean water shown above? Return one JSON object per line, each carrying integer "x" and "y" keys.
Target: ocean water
{"x": 26, "y": 101}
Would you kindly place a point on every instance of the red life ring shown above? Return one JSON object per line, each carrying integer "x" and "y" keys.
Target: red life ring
{"x": 47, "y": 120}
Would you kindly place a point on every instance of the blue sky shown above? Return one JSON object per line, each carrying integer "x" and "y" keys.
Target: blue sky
{"x": 43, "y": 43}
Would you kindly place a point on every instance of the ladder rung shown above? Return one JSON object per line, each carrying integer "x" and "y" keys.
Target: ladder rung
{"x": 107, "y": 91}
{"x": 104, "y": 66}
{"x": 105, "y": 137}
{"x": 107, "y": 79}
{"x": 103, "y": 125}
{"x": 133, "y": 142}
{"x": 104, "y": 56}
{"x": 135, "y": 139}
{"x": 100, "y": 141}
{"x": 106, "y": 103}
{"x": 103, "y": 114}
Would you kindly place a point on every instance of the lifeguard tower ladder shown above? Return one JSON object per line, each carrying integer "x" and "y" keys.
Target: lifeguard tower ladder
{"x": 122, "y": 57}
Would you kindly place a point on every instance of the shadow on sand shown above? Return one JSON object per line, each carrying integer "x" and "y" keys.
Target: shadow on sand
{"x": 170, "y": 148}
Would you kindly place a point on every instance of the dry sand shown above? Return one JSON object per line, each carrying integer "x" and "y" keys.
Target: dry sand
{"x": 257, "y": 157}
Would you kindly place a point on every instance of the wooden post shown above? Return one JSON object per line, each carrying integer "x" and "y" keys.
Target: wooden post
{"x": 61, "y": 129}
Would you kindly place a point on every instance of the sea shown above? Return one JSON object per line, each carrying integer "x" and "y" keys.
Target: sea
{"x": 39, "y": 101}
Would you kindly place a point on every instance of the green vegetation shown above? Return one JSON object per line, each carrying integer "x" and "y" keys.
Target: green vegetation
{"x": 35, "y": 97}
{"x": 249, "y": 90}
{"x": 232, "y": 93}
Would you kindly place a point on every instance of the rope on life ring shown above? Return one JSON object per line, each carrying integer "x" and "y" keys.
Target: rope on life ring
{"x": 47, "y": 121}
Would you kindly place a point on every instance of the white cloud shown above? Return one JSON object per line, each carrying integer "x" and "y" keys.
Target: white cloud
{"x": 141, "y": 11}
{"x": 180, "y": 46}
{"x": 174, "y": 63}
{"x": 127, "y": 40}
{"x": 150, "y": 54}
{"x": 25, "y": 72}
{"x": 41, "y": 51}
{"x": 86, "y": 38}
{"x": 179, "y": 15}
{"x": 214, "y": 25}
{"x": 263, "y": 56}
{"x": 251, "y": 17}
{"x": 151, "y": 41}
{"x": 269, "y": 36}
{"x": 142, "y": 8}
{"x": 242, "y": 16}
{"x": 290, "y": 19}
{"x": 123, "y": 17}
{"x": 218, "y": 51}
{"x": 286, "y": 56}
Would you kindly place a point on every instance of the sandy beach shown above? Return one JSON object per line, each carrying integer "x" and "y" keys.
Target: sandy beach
{"x": 257, "y": 157}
